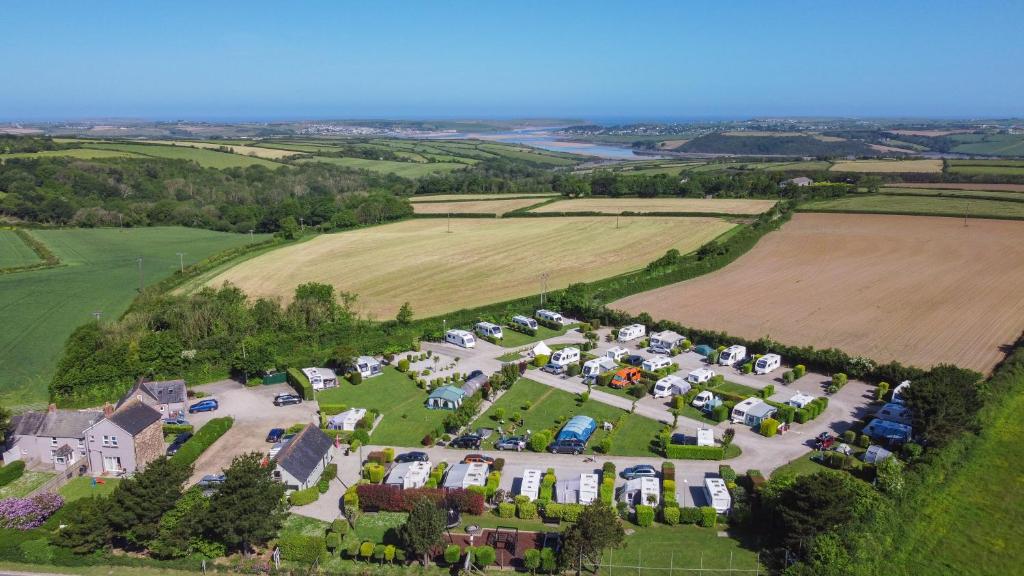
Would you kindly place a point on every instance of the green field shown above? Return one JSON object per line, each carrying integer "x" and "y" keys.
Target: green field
{"x": 82, "y": 487}
{"x": 1019, "y": 196}
{"x": 404, "y": 169}
{"x": 548, "y": 404}
{"x": 14, "y": 251}
{"x": 990, "y": 144}
{"x": 406, "y": 420}
{"x": 84, "y": 153}
{"x": 661, "y": 548}
{"x": 920, "y": 205}
{"x": 515, "y": 339}
{"x": 203, "y": 157}
{"x": 987, "y": 169}
{"x": 99, "y": 273}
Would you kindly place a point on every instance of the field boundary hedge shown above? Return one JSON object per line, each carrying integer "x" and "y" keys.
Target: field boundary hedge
{"x": 589, "y": 213}
{"x": 49, "y": 259}
{"x": 203, "y": 438}
{"x": 455, "y": 214}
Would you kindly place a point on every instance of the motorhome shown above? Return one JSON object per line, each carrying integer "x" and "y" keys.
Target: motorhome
{"x": 705, "y": 437}
{"x": 731, "y": 355}
{"x": 320, "y": 378}
{"x": 717, "y": 494}
{"x": 656, "y": 363}
{"x": 550, "y": 316}
{"x": 700, "y": 376}
{"x": 524, "y": 322}
{"x": 530, "y": 484}
{"x": 670, "y": 385}
{"x": 594, "y": 368}
{"x": 632, "y": 332}
{"x": 489, "y": 329}
{"x": 460, "y": 338}
{"x": 617, "y": 353}
{"x": 897, "y": 392}
{"x": 767, "y": 363}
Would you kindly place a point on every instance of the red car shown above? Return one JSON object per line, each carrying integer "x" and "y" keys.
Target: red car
{"x": 824, "y": 441}
{"x": 478, "y": 458}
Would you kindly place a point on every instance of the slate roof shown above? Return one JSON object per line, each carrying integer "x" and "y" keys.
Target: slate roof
{"x": 450, "y": 393}
{"x": 304, "y": 453}
{"x": 56, "y": 424}
{"x": 163, "y": 392}
{"x": 134, "y": 416}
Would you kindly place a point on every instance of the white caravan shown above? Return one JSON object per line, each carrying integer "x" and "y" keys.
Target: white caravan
{"x": 669, "y": 386}
{"x": 632, "y": 332}
{"x": 656, "y": 363}
{"x": 667, "y": 339}
{"x": 460, "y": 338}
{"x": 565, "y": 356}
{"x": 617, "y": 353}
{"x": 550, "y": 316}
{"x": 767, "y": 363}
{"x": 731, "y": 355}
{"x": 717, "y": 494}
{"x": 489, "y": 329}
{"x": 700, "y": 376}
{"x": 525, "y": 322}
{"x": 594, "y": 368}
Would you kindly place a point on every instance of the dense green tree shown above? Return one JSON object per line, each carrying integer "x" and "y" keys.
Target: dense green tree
{"x": 86, "y": 528}
{"x": 181, "y": 530}
{"x": 249, "y": 507}
{"x": 889, "y": 474}
{"x": 943, "y": 403}
{"x": 5, "y": 423}
{"x": 815, "y": 504}
{"x": 404, "y": 316}
{"x": 138, "y": 502}
{"x": 597, "y": 529}
{"x": 423, "y": 531}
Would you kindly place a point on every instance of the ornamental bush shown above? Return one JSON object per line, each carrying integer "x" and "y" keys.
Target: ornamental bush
{"x": 849, "y": 436}
{"x": 28, "y": 513}
{"x": 540, "y": 360}
{"x": 526, "y": 510}
{"x": 484, "y": 556}
{"x": 302, "y": 548}
{"x": 452, "y": 554}
{"x": 769, "y": 427}
{"x": 539, "y": 440}
{"x": 839, "y": 380}
{"x": 747, "y": 368}
{"x": 403, "y": 365}
{"x": 644, "y": 515}
{"x": 607, "y": 490}
{"x": 303, "y": 497}
{"x": 788, "y": 377}
{"x": 708, "y": 517}
{"x": 801, "y": 416}
{"x": 689, "y": 515}
{"x": 768, "y": 391}
{"x": 863, "y": 441}
{"x": 374, "y": 473}
{"x": 727, "y": 473}
{"x": 11, "y": 472}
{"x": 670, "y": 515}
{"x": 506, "y": 510}
{"x": 720, "y": 413}
{"x": 799, "y": 370}
{"x": 389, "y": 455}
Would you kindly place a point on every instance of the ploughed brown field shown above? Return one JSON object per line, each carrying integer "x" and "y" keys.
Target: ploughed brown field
{"x": 920, "y": 290}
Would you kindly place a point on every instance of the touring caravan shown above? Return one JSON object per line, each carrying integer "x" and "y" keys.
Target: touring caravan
{"x": 368, "y": 367}
{"x": 751, "y": 412}
{"x": 700, "y": 376}
{"x": 717, "y": 494}
{"x": 460, "y": 338}
{"x": 565, "y": 356}
{"x": 529, "y": 486}
{"x": 617, "y": 353}
{"x": 670, "y": 385}
{"x": 656, "y": 363}
{"x": 550, "y": 316}
{"x": 523, "y": 321}
{"x": 489, "y": 329}
{"x": 731, "y": 355}
{"x": 632, "y": 332}
{"x": 767, "y": 363}
{"x": 594, "y": 368}
{"x": 666, "y": 339}
{"x": 800, "y": 400}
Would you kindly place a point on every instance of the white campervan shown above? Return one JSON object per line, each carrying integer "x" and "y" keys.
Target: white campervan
{"x": 700, "y": 376}
{"x": 524, "y": 322}
{"x": 550, "y": 316}
{"x": 565, "y": 356}
{"x": 460, "y": 338}
{"x": 670, "y": 385}
{"x": 767, "y": 363}
{"x": 632, "y": 332}
{"x": 731, "y": 355}
{"x": 489, "y": 329}
{"x": 597, "y": 366}
{"x": 617, "y": 353}
{"x": 656, "y": 363}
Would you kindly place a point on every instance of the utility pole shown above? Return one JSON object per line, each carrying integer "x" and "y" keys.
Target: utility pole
{"x": 251, "y": 237}
{"x": 181, "y": 261}
{"x": 543, "y": 287}
{"x": 140, "y": 273}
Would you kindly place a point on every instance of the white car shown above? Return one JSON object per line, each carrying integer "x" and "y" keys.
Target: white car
{"x": 701, "y": 400}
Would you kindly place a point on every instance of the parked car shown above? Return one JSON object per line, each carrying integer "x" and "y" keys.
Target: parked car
{"x": 625, "y": 378}
{"x": 678, "y": 439}
{"x": 481, "y": 458}
{"x": 176, "y": 421}
{"x": 412, "y": 457}
{"x": 634, "y": 360}
{"x": 569, "y": 446}
{"x": 471, "y": 441}
{"x": 640, "y": 471}
{"x": 211, "y": 480}
{"x": 208, "y": 405}
{"x": 659, "y": 350}
{"x": 275, "y": 434}
{"x": 824, "y": 441}
{"x": 287, "y": 399}
{"x": 556, "y": 369}
{"x": 178, "y": 441}
{"x": 516, "y": 443}
{"x": 700, "y": 400}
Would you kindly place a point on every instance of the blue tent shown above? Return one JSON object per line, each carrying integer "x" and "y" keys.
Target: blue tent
{"x": 577, "y": 428}
{"x": 704, "y": 350}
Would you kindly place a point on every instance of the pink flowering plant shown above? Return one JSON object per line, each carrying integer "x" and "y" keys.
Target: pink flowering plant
{"x": 28, "y": 513}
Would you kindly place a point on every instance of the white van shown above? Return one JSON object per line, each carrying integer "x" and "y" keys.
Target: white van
{"x": 632, "y": 332}
{"x": 594, "y": 368}
{"x": 731, "y": 355}
{"x": 617, "y": 353}
{"x": 656, "y": 363}
{"x": 767, "y": 363}
{"x": 565, "y": 356}
{"x": 669, "y": 386}
{"x": 460, "y": 338}
{"x": 525, "y": 322}
{"x": 550, "y": 316}
{"x": 700, "y": 376}
{"x": 488, "y": 329}
{"x": 701, "y": 400}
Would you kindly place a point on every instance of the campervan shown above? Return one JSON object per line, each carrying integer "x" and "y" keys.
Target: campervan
{"x": 700, "y": 376}
{"x": 460, "y": 338}
{"x": 594, "y": 368}
{"x": 670, "y": 385}
{"x": 702, "y": 399}
{"x": 565, "y": 356}
{"x": 656, "y": 363}
{"x": 731, "y": 355}
{"x": 767, "y": 363}
{"x": 550, "y": 316}
{"x": 523, "y": 321}
{"x": 717, "y": 494}
{"x": 632, "y": 332}
{"x": 489, "y": 329}
{"x": 617, "y": 353}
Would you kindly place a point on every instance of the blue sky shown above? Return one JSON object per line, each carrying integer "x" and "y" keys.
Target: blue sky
{"x": 586, "y": 59}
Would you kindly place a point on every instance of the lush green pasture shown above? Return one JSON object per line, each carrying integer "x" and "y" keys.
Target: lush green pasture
{"x": 99, "y": 273}
{"x": 14, "y": 251}
{"x": 954, "y": 193}
{"x": 84, "y": 153}
{"x": 406, "y": 419}
{"x": 404, "y": 169}
{"x": 82, "y": 487}
{"x": 987, "y": 169}
{"x": 990, "y": 144}
{"x": 528, "y": 154}
{"x": 203, "y": 157}
{"x": 785, "y": 166}
{"x": 920, "y": 205}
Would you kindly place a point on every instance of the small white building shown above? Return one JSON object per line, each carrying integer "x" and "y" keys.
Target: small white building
{"x": 346, "y": 420}
{"x": 667, "y": 339}
{"x": 550, "y": 316}
{"x": 731, "y": 355}
{"x": 409, "y": 475}
{"x": 540, "y": 349}
{"x": 705, "y": 437}
{"x": 594, "y": 368}
{"x": 645, "y": 490}
{"x": 460, "y": 338}
{"x": 632, "y": 332}
{"x": 717, "y": 495}
{"x": 617, "y": 353}
{"x": 466, "y": 475}
{"x": 529, "y": 486}
{"x": 301, "y": 462}
{"x": 767, "y": 363}
{"x": 656, "y": 363}
{"x": 368, "y": 367}
{"x": 320, "y": 378}
{"x": 700, "y": 376}
{"x": 670, "y": 385}
{"x": 800, "y": 400}
{"x": 489, "y": 329}
{"x": 565, "y": 356}
{"x": 525, "y": 322}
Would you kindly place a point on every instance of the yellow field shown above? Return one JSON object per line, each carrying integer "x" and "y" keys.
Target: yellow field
{"x": 474, "y": 207}
{"x": 620, "y": 205}
{"x": 481, "y": 261}
{"x": 447, "y": 197}
{"x": 268, "y": 153}
{"x": 888, "y": 166}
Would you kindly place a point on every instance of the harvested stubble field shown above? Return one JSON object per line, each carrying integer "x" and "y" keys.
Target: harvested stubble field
{"x": 651, "y": 205}
{"x": 468, "y": 197}
{"x": 917, "y": 289}
{"x": 269, "y": 153}
{"x": 888, "y": 166}
{"x": 480, "y": 262}
{"x": 495, "y": 206}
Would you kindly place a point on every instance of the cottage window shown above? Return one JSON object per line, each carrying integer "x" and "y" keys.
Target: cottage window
{"x": 113, "y": 441}
{"x": 53, "y": 441}
{"x": 81, "y": 442}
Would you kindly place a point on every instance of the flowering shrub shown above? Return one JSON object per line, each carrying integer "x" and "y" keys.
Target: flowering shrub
{"x": 28, "y": 513}
{"x": 394, "y": 499}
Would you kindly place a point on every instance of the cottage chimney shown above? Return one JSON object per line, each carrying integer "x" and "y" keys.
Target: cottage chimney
{"x": 51, "y": 408}
{"x": 108, "y": 410}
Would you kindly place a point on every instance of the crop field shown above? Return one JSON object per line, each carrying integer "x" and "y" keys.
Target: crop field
{"x": 480, "y": 262}
{"x": 404, "y": 169}
{"x": 14, "y": 251}
{"x": 495, "y": 206}
{"x": 1002, "y": 168}
{"x": 954, "y": 193}
{"x": 205, "y": 158}
{"x": 920, "y": 205}
{"x": 888, "y": 166}
{"x": 99, "y": 273}
{"x": 468, "y": 197}
{"x": 916, "y": 289}
{"x": 651, "y": 205}
{"x": 959, "y": 186}
{"x": 82, "y": 153}
{"x": 244, "y": 150}
{"x": 990, "y": 144}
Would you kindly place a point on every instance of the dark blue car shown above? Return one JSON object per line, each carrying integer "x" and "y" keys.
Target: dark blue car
{"x": 208, "y": 405}
{"x": 275, "y": 434}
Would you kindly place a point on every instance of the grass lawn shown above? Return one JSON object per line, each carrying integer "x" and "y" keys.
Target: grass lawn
{"x": 406, "y": 420}
{"x": 28, "y": 482}
{"x": 660, "y": 547}
{"x": 734, "y": 388}
{"x": 296, "y": 524}
{"x": 511, "y": 357}
{"x": 634, "y": 437}
{"x": 921, "y": 205}
{"x": 800, "y": 466}
{"x": 515, "y": 339}
{"x": 14, "y": 251}
{"x": 99, "y": 273}
{"x": 82, "y": 487}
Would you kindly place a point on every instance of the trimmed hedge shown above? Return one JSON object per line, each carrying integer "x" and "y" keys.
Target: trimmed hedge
{"x": 506, "y": 510}
{"x": 526, "y": 510}
{"x": 670, "y": 515}
{"x": 177, "y": 428}
{"x": 11, "y": 472}
{"x": 332, "y": 409}
{"x": 452, "y": 554}
{"x": 644, "y": 515}
{"x": 303, "y": 497}
{"x": 302, "y": 548}
{"x": 394, "y": 499}
{"x": 708, "y": 517}
{"x": 689, "y": 452}
{"x": 300, "y": 383}
{"x": 203, "y": 438}
{"x": 689, "y": 515}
